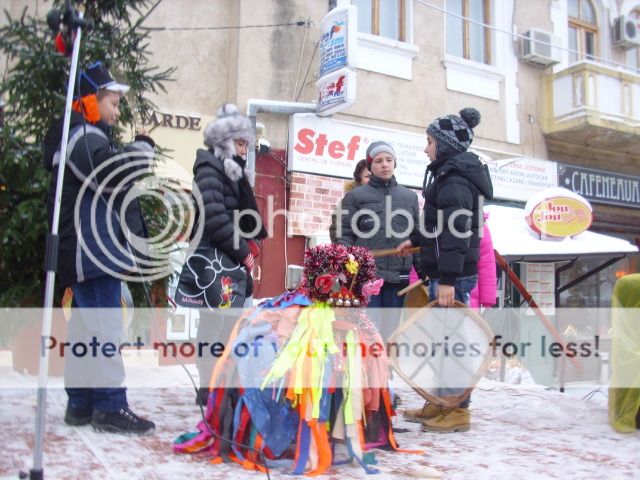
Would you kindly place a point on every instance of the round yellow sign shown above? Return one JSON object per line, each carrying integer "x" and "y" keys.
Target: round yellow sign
{"x": 560, "y": 217}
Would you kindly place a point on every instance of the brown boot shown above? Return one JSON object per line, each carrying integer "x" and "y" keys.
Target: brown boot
{"x": 451, "y": 420}
{"x": 419, "y": 415}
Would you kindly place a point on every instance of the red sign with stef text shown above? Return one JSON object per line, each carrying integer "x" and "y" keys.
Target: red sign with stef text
{"x": 330, "y": 147}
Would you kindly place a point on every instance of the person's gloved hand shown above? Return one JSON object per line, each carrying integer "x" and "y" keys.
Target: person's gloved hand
{"x": 254, "y": 248}
{"x": 248, "y": 263}
{"x": 404, "y": 247}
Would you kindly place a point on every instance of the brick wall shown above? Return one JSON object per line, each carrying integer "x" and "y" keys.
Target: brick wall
{"x": 312, "y": 201}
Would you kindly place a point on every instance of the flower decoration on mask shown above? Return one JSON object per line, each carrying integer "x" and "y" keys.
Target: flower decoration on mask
{"x": 352, "y": 265}
{"x": 336, "y": 274}
{"x": 325, "y": 283}
{"x": 372, "y": 288}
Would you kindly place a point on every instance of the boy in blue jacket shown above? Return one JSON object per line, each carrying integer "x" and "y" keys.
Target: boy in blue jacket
{"x": 94, "y": 252}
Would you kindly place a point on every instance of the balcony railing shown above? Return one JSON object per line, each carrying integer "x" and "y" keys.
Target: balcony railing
{"x": 592, "y": 104}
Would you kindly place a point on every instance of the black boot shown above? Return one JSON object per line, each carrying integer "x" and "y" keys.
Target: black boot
{"x": 122, "y": 421}
{"x": 77, "y": 417}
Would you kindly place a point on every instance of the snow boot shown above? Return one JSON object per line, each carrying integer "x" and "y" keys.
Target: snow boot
{"x": 419, "y": 415}
{"x": 77, "y": 417}
{"x": 451, "y": 420}
{"x": 122, "y": 421}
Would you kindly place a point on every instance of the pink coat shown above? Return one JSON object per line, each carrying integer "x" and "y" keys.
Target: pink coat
{"x": 413, "y": 275}
{"x": 485, "y": 292}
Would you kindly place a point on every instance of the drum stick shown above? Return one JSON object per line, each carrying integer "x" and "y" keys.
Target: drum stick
{"x": 410, "y": 287}
{"x": 387, "y": 252}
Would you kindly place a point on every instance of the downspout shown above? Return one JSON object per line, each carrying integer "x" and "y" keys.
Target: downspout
{"x": 255, "y": 106}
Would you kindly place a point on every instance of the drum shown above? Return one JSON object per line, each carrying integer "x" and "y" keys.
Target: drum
{"x": 442, "y": 352}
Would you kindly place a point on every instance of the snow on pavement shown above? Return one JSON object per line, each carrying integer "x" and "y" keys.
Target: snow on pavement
{"x": 516, "y": 432}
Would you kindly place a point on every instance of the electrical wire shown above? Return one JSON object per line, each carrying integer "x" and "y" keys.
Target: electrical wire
{"x": 513, "y": 392}
{"x": 592, "y": 393}
{"x": 297, "y": 23}
{"x": 304, "y": 42}
{"x": 517, "y": 35}
{"x": 214, "y": 434}
{"x": 315, "y": 49}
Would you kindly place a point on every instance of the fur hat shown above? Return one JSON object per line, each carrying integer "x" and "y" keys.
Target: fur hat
{"x": 378, "y": 147}
{"x": 220, "y": 134}
{"x": 452, "y": 133}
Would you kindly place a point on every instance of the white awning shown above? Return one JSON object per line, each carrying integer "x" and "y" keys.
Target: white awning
{"x": 515, "y": 241}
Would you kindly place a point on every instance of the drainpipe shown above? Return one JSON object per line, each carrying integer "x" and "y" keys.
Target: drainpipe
{"x": 255, "y": 106}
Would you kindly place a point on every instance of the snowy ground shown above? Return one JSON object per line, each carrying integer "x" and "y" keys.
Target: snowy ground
{"x": 516, "y": 433}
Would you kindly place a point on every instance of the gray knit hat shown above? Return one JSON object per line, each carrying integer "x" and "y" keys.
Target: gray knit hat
{"x": 378, "y": 147}
{"x": 220, "y": 134}
{"x": 454, "y": 133}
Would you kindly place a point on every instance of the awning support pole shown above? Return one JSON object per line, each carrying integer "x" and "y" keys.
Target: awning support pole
{"x": 559, "y": 270}
{"x": 502, "y": 263}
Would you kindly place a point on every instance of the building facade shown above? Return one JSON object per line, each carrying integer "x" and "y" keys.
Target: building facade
{"x": 557, "y": 83}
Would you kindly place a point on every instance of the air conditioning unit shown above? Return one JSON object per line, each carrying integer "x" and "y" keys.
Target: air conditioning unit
{"x": 626, "y": 32}
{"x": 540, "y": 47}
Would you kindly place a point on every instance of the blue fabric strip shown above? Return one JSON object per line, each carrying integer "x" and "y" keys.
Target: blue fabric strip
{"x": 305, "y": 442}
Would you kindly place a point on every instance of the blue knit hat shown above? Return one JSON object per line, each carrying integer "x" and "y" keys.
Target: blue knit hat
{"x": 97, "y": 77}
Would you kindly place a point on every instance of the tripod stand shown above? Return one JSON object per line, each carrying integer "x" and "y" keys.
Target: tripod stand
{"x": 74, "y": 22}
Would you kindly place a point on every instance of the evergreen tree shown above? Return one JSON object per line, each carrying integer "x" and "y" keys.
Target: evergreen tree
{"x": 34, "y": 88}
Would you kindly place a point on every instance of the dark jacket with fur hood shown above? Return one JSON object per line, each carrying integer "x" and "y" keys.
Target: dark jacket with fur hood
{"x": 225, "y": 190}
{"x": 456, "y": 183}
{"x": 220, "y": 197}
{"x": 220, "y": 178}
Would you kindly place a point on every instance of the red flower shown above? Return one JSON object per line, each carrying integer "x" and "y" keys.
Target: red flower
{"x": 324, "y": 283}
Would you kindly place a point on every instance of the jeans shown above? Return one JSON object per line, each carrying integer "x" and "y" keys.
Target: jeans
{"x": 93, "y": 382}
{"x": 214, "y": 327}
{"x": 463, "y": 287}
{"x": 386, "y": 321}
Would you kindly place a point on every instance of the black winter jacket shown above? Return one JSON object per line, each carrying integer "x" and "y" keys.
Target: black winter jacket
{"x": 86, "y": 252}
{"x": 456, "y": 183}
{"x": 379, "y": 199}
{"x": 220, "y": 198}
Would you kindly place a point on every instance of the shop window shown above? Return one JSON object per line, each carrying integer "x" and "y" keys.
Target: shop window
{"x": 465, "y": 38}
{"x": 583, "y": 30}
{"x": 384, "y": 18}
{"x": 633, "y": 54}
{"x": 595, "y": 291}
